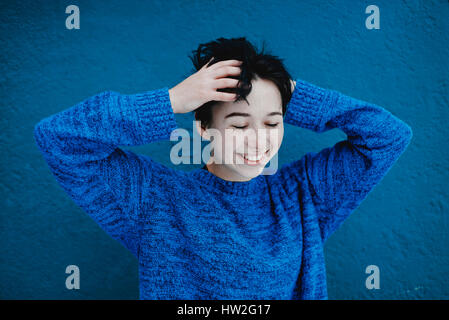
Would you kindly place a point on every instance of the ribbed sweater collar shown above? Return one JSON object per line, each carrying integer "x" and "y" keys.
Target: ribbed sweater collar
{"x": 243, "y": 188}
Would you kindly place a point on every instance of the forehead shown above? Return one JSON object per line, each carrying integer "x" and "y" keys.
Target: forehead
{"x": 263, "y": 99}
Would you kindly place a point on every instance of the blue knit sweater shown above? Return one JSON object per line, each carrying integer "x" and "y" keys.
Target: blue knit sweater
{"x": 197, "y": 236}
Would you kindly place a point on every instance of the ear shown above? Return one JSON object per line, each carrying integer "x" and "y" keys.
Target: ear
{"x": 201, "y": 131}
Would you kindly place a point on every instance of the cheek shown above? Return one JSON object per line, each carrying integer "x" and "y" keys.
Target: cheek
{"x": 229, "y": 141}
{"x": 276, "y": 141}
{"x": 234, "y": 141}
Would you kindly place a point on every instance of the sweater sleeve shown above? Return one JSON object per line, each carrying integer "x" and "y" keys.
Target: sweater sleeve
{"x": 80, "y": 146}
{"x": 340, "y": 177}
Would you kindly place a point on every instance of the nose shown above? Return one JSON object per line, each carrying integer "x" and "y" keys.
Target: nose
{"x": 259, "y": 142}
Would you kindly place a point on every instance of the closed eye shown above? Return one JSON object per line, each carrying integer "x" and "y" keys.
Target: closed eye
{"x": 240, "y": 127}
{"x": 272, "y": 124}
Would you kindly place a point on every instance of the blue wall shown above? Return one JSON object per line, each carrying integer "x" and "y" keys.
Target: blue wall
{"x": 132, "y": 46}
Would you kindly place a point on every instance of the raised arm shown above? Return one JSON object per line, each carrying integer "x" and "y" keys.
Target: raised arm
{"x": 340, "y": 177}
{"x": 80, "y": 145}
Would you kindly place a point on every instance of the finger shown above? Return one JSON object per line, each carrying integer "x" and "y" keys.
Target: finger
{"x": 232, "y": 62}
{"x": 224, "y": 96}
{"x": 207, "y": 64}
{"x": 227, "y": 71}
{"x": 226, "y": 83}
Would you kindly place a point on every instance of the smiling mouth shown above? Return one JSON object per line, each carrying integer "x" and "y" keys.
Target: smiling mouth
{"x": 254, "y": 160}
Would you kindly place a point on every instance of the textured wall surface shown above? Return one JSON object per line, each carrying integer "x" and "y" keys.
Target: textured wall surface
{"x": 136, "y": 46}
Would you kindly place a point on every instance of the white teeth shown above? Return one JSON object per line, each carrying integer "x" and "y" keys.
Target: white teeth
{"x": 253, "y": 158}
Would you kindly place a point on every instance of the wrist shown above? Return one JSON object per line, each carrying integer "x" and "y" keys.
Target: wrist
{"x": 308, "y": 105}
{"x": 174, "y": 101}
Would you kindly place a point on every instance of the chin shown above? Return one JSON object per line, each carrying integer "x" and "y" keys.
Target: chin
{"x": 250, "y": 172}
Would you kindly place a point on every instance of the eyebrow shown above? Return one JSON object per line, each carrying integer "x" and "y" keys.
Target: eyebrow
{"x": 242, "y": 114}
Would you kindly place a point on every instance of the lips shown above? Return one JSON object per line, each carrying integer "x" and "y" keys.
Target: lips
{"x": 254, "y": 159}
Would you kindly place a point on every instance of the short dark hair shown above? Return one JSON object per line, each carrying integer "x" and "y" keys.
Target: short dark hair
{"x": 255, "y": 64}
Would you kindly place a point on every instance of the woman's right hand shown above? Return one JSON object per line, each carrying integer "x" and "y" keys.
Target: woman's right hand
{"x": 201, "y": 87}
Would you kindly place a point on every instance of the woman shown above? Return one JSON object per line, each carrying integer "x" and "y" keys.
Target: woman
{"x": 224, "y": 231}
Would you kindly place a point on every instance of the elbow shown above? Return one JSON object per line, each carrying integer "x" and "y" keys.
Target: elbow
{"x": 37, "y": 133}
{"x": 407, "y": 135}
{"x": 403, "y": 137}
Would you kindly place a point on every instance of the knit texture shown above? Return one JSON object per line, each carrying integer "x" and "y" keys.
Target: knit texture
{"x": 197, "y": 236}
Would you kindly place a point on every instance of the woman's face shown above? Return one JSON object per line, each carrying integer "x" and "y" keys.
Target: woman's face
{"x": 246, "y": 137}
